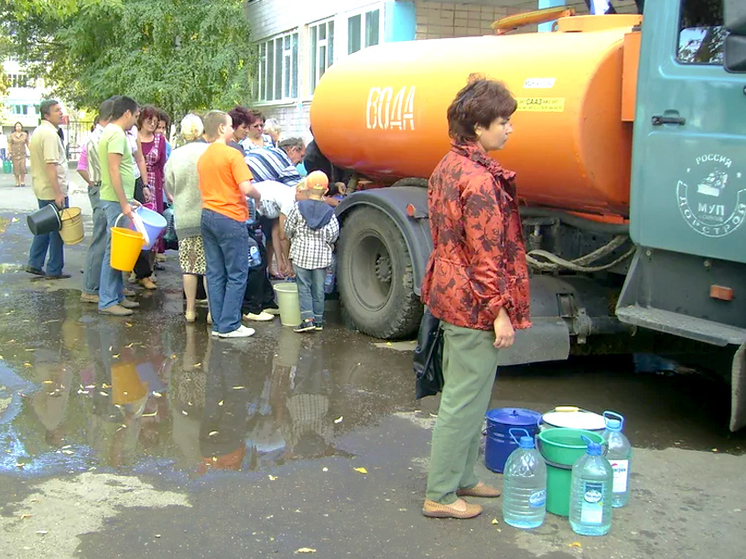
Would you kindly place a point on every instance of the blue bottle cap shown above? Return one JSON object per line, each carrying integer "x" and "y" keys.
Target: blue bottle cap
{"x": 526, "y": 442}
{"x": 613, "y": 425}
{"x": 594, "y": 449}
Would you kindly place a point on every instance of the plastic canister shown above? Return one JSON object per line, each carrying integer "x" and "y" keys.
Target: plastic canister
{"x": 573, "y": 417}
{"x": 499, "y": 444}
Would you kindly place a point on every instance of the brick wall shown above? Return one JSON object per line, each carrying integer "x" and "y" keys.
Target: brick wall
{"x": 441, "y": 20}
{"x": 293, "y": 118}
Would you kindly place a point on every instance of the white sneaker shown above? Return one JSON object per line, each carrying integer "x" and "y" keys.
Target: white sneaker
{"x": 214, "y": 333}
{"x": 261, "y": 317}
{"x": 240, "y": 332}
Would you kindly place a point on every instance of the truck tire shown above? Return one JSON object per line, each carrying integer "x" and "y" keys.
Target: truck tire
{"x": 375, "y": 278}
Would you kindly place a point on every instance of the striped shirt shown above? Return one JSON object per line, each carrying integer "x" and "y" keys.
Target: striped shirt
{"x": 94, "y": 164}
{"x": 272, "y": 164}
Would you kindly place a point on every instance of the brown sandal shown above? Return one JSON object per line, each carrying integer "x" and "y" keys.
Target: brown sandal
{"x": 436, "y": 510}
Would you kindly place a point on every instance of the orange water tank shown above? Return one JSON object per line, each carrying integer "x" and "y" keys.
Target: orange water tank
{"x": 382, "y": 111}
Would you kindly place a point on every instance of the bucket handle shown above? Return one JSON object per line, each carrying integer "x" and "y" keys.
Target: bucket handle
{"x": 608, "y": 414}
{"x": 137, "y": 221}
{"x": 520, "y": 431}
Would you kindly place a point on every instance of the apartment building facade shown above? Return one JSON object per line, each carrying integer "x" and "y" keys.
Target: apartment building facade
{"x": 21, "y": 103}
{"x": 299, "y": 39}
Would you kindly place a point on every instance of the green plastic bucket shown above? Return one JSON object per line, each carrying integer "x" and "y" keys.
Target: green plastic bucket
{"x": 561, "y": 448}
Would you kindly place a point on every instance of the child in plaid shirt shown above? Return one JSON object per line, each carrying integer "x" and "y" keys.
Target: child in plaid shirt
{"x": 311, "y": 227}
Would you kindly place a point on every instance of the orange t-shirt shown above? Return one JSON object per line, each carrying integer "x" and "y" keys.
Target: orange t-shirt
{"x": 221, "y": 169}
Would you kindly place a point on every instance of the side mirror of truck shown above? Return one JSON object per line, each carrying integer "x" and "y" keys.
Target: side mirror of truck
{"x": 734, "y": 15}
{"x": 735, "y": 53}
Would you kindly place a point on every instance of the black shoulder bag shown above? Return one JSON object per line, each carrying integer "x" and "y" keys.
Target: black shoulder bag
{"x": 428, "y": 356}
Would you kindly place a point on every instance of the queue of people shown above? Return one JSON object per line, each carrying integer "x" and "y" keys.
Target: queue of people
{"x": 225, "y": 200}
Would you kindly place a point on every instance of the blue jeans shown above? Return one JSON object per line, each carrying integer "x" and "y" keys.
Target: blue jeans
{"x": 226, "y": 244}
{"x": 111, "y": 285}
{"x": 95, "y": 255}
{"x": 311, "y": 293}
{"x": 51, "y": 241}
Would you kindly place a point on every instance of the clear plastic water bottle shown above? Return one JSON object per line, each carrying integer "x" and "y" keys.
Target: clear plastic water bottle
{"x": 619, "y": 455}
{"x": 254, "y": 256}
{"x": 590, "y": 493}
{"x": 524, "y": 485}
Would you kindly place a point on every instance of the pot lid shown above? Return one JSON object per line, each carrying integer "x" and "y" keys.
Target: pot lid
{"x": 574, "y": 418}
{"x": 514, "y": 416}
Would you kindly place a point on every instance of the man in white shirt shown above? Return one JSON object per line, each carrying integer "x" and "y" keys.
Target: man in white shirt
{"x": 277, "y": 201}
{"x": 90, "y": 170}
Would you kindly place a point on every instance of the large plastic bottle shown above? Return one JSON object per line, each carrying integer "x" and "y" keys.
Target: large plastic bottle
{"x": 590, "y": 493}
{"x": 619, "y": 455}
{"x": 525, "y": 485}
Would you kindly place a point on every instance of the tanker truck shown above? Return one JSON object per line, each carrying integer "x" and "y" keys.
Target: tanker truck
{"x": 629, "y": 145}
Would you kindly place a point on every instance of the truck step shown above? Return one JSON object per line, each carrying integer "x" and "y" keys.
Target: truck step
{"x": 682, "y": 325}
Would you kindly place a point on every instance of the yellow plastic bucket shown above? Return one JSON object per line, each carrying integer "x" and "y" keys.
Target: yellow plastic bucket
{"x": 125, "y": 248}
{"x": 72, "y": 226}
{"x": 289, "y": 303}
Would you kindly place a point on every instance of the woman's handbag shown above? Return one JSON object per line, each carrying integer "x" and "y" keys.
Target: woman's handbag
{"x": 428, "y": 356}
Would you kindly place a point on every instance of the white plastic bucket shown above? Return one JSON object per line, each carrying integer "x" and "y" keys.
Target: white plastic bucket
{"x": 573, "y": 417}
{"x": 289, "y": 303}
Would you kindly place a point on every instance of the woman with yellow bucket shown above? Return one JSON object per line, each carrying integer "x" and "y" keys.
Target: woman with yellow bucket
{"x": 117, "y": 189}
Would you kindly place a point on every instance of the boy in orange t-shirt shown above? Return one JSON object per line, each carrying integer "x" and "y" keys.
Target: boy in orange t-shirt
{"x": 225, "y": 181}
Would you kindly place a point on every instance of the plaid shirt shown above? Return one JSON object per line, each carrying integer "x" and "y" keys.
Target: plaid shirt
{"x": 310, "y": 249}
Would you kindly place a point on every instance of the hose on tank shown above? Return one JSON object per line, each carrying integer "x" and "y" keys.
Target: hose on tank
{"x": 553, "y": 263}
{"x": 576, "y": 221}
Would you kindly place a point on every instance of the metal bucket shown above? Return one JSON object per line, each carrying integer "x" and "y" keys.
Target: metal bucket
{"x": 499, "y": 444}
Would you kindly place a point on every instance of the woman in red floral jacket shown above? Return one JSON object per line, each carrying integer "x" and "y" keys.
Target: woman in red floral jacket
{"x": 476, "y": 283}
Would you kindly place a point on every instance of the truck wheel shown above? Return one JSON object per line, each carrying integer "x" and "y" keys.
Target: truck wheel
{"x": 375, "y": 278}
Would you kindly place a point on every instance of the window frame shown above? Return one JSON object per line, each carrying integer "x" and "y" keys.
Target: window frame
{"x": 285, "y": 78}
{"x": 315, "y": 71}
{"x": 363, "y": 12}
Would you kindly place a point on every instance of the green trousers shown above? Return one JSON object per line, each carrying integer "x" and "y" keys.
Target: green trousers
{"x": 469, "y": 366}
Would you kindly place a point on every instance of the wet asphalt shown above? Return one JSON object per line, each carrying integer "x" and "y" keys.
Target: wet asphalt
{"x": 145, "y": 437}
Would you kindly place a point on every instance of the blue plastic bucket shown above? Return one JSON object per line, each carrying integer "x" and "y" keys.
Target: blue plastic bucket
{"x": 153, "y": 224}
{"x": 499, "y": 443}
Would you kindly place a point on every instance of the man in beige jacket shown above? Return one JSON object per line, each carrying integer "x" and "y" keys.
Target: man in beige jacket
{"x": 49, "y": 180}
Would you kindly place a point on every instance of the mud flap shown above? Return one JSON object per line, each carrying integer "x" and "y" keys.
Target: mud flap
{"x": 738, "y": 390}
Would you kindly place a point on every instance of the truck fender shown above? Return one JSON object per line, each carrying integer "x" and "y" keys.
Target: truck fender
{"x": 394, "y": 202}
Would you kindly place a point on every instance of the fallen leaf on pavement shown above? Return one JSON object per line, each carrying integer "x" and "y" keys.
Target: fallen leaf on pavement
{"x": 339, "y": 419}
{"x": 361, "y": 470}
{"x": 271, "y": 477}
{"x": 305, "y": 550}
{"x": 576, "y": 545}
{"x": 495, "y": 521}
{"x": 24, "y": 516}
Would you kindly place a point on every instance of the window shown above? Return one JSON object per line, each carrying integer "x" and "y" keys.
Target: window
{"x": 277, "y": 78}
{"x": 19, "y": 80}
{"x": 701, "y": 32}
{"x": 321, "y": 45}
{"x": 22, "y": 110}
{"x": 363, "y": 30}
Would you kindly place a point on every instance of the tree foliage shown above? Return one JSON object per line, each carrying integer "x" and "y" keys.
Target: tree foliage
{"x": 181, "y": 55}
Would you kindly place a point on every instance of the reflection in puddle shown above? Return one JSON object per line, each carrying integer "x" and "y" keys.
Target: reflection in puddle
{"x": 91, "y": 391}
